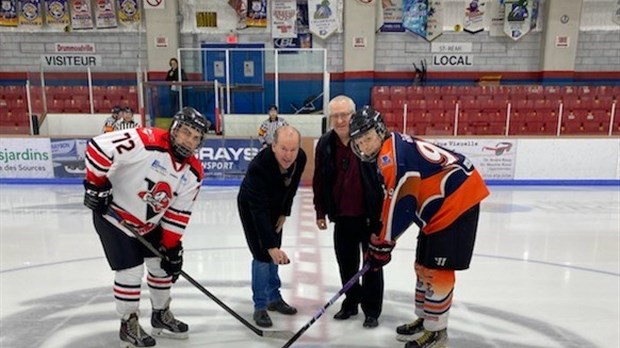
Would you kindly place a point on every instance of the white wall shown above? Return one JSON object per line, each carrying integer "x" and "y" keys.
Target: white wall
{"x": 81, "y": 125}
{"x": 238, "y": 125}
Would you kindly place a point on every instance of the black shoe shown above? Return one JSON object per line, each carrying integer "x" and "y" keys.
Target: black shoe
{"x": 345, "y": 314}
{"x": 262, "y": 318}
{"x": 281, "y": 307}
{"x": 371, "y": 322}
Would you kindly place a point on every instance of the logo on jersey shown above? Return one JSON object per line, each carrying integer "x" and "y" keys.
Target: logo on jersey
{"x": 158, "y": 197}
{"x": 158, "y": 167}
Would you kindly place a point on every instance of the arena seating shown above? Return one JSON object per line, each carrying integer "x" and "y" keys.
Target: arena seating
{"x": 500, "y": 110}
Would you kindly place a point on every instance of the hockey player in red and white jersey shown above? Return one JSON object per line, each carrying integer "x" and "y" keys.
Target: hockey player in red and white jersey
{"x": 438, "y": 190}
{"x": 146, "y": 179}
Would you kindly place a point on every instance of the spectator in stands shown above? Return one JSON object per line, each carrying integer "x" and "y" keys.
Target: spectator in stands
{"x": 173, "y": 76}
{"x": 126, "y": 121}
{"x": 269, "y": 126}
{"x": 108, "y": 125}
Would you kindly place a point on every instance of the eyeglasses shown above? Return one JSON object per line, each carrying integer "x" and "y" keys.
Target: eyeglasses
{"x": 340, "y": 115}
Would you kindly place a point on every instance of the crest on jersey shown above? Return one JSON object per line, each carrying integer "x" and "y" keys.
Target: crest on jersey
{"x": 157, "y": 197}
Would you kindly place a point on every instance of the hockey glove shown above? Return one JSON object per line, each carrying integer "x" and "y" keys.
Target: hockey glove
{"x": 379, "y": 252}
{"x": 97, "y": 198}
{"x": 172, "y": 262}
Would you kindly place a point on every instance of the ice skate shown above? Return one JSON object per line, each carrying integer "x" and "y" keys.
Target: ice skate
{"x": 430, "y": 339}
{"x": 411, "y": 331}
{"x": 165, "y": 325}
{"x": 132, "y": 335}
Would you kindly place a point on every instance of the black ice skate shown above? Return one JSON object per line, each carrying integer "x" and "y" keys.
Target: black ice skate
{"x": 411, "y": 331}
{"x": 132, "y": 335}
{"x": 430, "y": 339}
{"x": 165, "y": 325}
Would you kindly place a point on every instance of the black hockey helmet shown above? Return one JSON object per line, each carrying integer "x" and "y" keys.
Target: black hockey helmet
{"x": 128, "y": 109}
{"x": 364, "y": 120}
{"x": 116, "y": 109}
{"x": 192, "y": 118}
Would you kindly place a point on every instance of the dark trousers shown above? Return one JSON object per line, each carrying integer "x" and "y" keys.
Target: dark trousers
{"x": 351, "y": 235}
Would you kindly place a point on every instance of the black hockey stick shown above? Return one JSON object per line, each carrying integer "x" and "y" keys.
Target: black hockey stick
{"x": 281, "y": 334}
{"x": 331, "y": 301}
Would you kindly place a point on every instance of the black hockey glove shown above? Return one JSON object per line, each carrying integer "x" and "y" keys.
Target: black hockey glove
{"x": 379, "y": 252}
{"x": 97, "y": 198}
{"x": 172, "y": 262}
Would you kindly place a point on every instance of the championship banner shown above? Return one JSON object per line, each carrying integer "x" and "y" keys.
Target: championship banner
{"x": 25, "y": 158}
{"x": 615, "y": 12}
{"x": 495, "y": 17}
{"x": 495, "y": 159}
{"x": 415, "y": 16}
{"x": 283, "y": 19}
{"x": 257, "y": 14}
{"x": 392, "y": 16}
{"x": 534, "y": 12}
{"x": 30, "y": 14}
{"x": 474, "y": 16}
{"x": 81, "y": 15}
{"x": 434, "y": 20}
{"x": 323, "y": 17}
{"x": 8, "y": 13}
{"x": 105, "y": 14}
{"x": 517, "y": 18}
{"x": 56, "y": 13}
{"x": 241, "y": 8}
{"x": 227, "y": 158}
{"x": 129, "y": 12}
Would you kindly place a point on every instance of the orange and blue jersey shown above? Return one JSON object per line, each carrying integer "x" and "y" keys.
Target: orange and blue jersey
{"x": 425, "y": 184}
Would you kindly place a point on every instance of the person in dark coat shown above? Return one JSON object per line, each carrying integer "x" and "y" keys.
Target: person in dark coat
{"x": 173, "y": 76}
{"x": 264, "y": 201}
{"x": 349, "y": 193}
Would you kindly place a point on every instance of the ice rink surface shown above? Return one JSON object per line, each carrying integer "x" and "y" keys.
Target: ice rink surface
{"x": 546, "y": 273}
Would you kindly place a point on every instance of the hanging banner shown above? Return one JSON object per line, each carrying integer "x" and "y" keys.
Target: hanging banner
{"x": 415, "y": 16}
{"x": 56, "y": 13}
{"x": 495, "y": 17}
{"x": 8, "y": 13}
{"x": 257, "y": 14}
{"x": 615, "y": 12}
{"x": 517, "y": 18}
{"x": 81, "y": 15}
{"x": 283, "y": 19}
{"x": 30, "y": 14}
{"x": 241, "y": 8}
{"x": 105, "y": 14}
{"x": 474, "y": 16}
{"x": 392, "y": 16}
{"x": 323, "y": 17}
{"x": 434, "y": 20}
{"x": 129, "y": 12}
{"x": 534, "y": 12}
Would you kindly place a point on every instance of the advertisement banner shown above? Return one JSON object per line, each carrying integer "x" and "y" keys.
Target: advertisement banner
{"x": 8, "y": 13}
{"x": 283, "y": 19}
{"x": 494, "y": 158}
{"x": 68, "y": 157}
{"x": 105, "y": 14}
{"x": 25, "y": 158}
{"x": 56, "y": 13}
{"x": 227, "y": 158}
{"x": 30, "y": 15}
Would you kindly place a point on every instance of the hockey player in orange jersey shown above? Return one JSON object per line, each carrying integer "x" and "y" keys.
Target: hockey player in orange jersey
{"x": 440, "y": 191}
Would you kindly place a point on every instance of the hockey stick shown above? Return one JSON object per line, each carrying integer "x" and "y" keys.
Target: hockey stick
{"x": 281, "y": 334}
{"x": 331, "y": 301}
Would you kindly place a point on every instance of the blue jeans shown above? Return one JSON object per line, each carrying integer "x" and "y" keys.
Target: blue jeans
{"x": 265, "y": 284}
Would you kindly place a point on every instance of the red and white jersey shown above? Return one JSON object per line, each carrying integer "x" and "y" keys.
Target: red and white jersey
{"x": 149, "y": 187}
